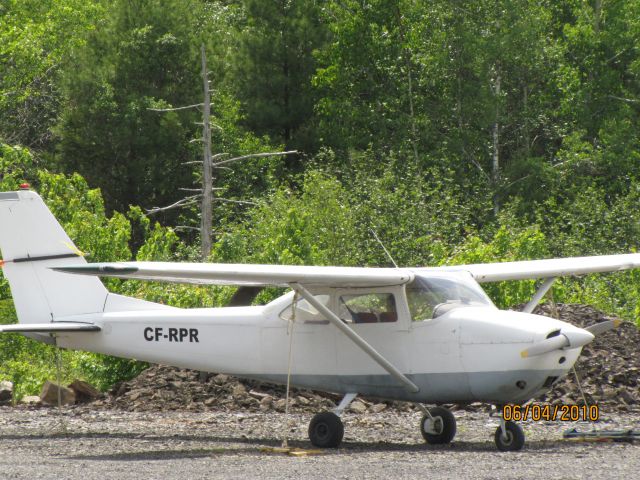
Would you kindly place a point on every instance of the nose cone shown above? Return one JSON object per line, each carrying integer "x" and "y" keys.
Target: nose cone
{"x": 577, "y": 337}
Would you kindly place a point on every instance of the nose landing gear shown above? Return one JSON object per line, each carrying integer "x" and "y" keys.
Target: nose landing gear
{"x": 509, "y": 436}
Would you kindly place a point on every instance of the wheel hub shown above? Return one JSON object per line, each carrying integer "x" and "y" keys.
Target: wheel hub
{"x": 433, "y": 426}
{"x": 322, "y": 430}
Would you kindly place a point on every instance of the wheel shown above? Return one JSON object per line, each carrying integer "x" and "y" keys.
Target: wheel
{"x": 441, "y": 429}
{"x": 514, "y": 440}
{"x": 326, "y": 430}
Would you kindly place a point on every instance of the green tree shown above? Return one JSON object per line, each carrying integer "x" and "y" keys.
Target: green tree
{"x": 36, "y": 37}
{"x": 362, "y": 78}
{"x": 141, "y": 57}
{"x": 274, "y": 66}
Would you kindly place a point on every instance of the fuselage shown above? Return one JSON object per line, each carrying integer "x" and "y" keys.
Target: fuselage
{"x": 466, "y": 354}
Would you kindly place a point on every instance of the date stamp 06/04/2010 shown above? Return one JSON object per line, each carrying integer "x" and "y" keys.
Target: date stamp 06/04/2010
{"x": 551, "y": 413}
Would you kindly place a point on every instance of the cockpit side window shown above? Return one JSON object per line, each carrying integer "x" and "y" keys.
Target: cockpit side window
{"x": 305, "y": 312}
{"x": 429, "y": 297}
{"x": 421, "y": 303}
{"x": 368, "y": 308}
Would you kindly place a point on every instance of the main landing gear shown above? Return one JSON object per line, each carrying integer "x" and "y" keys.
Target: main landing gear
{"x": 438, "y": 427}
{"x": 326, "y": 429}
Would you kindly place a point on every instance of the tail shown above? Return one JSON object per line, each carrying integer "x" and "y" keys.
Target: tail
{"x": 32, "y": 241}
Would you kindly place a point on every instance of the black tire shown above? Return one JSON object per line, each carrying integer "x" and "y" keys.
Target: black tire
{"x": 514, "y": 440}
{"x": 326, "y": 430}
{"x": 444, "y": 426}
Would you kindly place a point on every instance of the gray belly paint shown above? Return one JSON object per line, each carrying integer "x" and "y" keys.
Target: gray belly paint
{"x": 489, "y": 387}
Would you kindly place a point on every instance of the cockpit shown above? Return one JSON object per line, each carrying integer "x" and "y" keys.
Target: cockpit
{"x": 430, "y": 296}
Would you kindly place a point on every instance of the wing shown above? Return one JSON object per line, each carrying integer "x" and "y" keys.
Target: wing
{"x": 246, "y": 274}
{"x": 554, "y": 267}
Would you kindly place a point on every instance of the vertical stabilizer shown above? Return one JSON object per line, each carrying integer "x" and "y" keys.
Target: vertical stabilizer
{"x": 32, "y": 241}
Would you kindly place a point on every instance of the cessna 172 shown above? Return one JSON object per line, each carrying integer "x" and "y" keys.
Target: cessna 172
{"x": 422, "y": 335}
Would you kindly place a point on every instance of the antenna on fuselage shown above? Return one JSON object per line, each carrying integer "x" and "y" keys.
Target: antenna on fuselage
{"x": 383, "y": 247}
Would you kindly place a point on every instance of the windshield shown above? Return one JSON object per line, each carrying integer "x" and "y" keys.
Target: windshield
{"x": 429, "y": 297}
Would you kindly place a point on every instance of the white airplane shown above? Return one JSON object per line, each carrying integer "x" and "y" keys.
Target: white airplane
{"x": 422, "y": 335}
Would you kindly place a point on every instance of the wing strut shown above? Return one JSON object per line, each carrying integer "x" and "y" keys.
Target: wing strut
{"x": 542, "y": 290}
{"x": 355, "y": 338}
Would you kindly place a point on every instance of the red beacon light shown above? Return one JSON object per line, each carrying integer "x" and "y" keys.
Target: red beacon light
{"x": 25, "y": 186}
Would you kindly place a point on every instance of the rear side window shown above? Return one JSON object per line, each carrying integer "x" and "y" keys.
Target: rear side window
{"x": 368, "y": 308}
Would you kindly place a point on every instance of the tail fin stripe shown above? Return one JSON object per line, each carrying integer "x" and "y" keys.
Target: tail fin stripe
{"x": 43, "y": 257}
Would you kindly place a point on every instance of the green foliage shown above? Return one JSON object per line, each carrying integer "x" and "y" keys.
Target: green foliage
{"x": 314, "y": 227}
{"x": 506, "y": 245}
{"x": 273, "y": 68}
{"x": 36, "y": 37}
{"x": 142, "y": 57}
{"x": 332, "y": 222}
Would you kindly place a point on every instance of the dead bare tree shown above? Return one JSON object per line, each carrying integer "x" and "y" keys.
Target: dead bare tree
{"x": 205, "y": 195}
{"x": 206, "y": 208}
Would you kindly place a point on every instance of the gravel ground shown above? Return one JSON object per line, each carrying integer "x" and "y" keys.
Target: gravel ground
{"x": 80, "y": 442}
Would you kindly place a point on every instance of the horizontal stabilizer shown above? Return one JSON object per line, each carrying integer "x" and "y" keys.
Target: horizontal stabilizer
{"x": 53, "y": 327}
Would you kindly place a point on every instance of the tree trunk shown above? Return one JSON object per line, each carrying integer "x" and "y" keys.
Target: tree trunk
{"x": 527, "y": 133}
{"x": 495, "y": 165}
{"x": 207, "y": 173}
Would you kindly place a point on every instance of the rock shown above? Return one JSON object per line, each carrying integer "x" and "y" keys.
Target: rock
{"x": 626, "y": 397}
{"x": 30, "y": 400}
{"x": 281, "y": 405}
{"x": 258, "y": 395}
{"x": 49, "y": 394}
{"x": 6, "y": 392}
{"x": 377, "y": 408}
{"x": 119, "y": 388}
{"x": 357, "y": 407}
{"x": 239, "y": 390}
{"x": 133, "y": 396}
{"x": 302, "y": 400}
{"x": 84, "y": 391}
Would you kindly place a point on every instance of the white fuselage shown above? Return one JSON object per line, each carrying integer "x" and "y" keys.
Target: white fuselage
{"x": 467, "y": 354}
